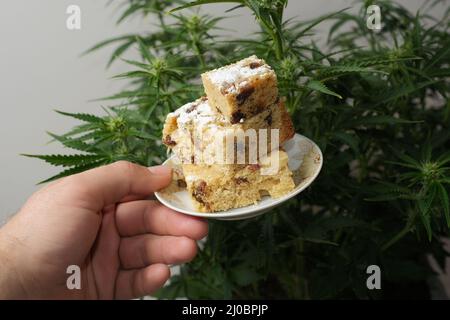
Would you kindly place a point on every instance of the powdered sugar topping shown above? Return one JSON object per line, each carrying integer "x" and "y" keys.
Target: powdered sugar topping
{"x": 197, "y": 113}
{"x": 234, "y": 76}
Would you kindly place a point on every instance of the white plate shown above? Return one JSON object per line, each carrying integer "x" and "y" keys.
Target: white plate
{"x": 305, "y": 161}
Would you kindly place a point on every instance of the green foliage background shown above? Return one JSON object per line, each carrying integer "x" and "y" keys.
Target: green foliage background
{"x": 375, "y": 102}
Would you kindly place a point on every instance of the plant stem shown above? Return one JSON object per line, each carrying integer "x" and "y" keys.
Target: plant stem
{"x": 301, "y": 267}
{"x": 276, "y": 38}
{"x": 161, "y": 20}
{"x": 401, "y": 234}
{"x": 200, "y": 56}
{"x": 279, "y": 50}
{"x": 197, "y": 49}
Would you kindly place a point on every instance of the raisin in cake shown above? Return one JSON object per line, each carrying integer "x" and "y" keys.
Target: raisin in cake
{"x": 196, "y": 130}
{"x": 222, "y": 187}
{"x": 241, "y": 90}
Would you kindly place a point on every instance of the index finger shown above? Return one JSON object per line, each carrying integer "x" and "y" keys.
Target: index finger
{"x": 97, "y": 188}
{"x": 141, "y": 217}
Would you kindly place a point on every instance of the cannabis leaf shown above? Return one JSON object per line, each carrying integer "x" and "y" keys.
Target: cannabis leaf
{"x": 321, "y": 87}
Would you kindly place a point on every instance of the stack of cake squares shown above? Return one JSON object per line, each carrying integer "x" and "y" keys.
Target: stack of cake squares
{"x": 228, "y": 142}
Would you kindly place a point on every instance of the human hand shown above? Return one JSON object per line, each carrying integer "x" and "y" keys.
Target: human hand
{"x": 100, "y": 221}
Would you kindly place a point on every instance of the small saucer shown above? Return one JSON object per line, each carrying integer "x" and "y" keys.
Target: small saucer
{"x": 305, "y": 161}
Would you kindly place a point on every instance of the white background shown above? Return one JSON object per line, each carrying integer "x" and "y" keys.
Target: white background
{"x": 41, "y": 70}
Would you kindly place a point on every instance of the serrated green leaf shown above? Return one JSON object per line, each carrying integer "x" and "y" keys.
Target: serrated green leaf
{"x": 443, "y": 196}
{"x": 143, "y": 135}
{"x": 321, "y": 87}
{"x": 403, "y": 91}
{"x": 426, "y": 202}
{"x": 443, "y": 159}
{"x": 338, "y": 71}
{"x": 406, "y": 165}
{"x": 117, "y": 53}
{"x": 201, "y": 2}
{"x": 426, "y": 223}
{"x": 379, "y": 120}
{"x": 442, "y": 53}
{"x": 107, "y": 42}
{"x": 74, "y": 170}
{"x": 406, "y": 158}
{"x": 73, "y": 143}
{"x": 133, "y": 8}
{"x": 134, "y": 74}
{"x": 318, "y": 21}
{"x": 67, "y": 160}
{"x": 80, "y": 129}
{"x": 82, "y": 116}
{"x": 351, "y": 140}
{"x": 144, "y": 50}
{"x": 424, "y": 207}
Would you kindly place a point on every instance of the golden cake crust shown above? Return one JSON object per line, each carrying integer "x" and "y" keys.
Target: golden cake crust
{"x": 221, "y": 187}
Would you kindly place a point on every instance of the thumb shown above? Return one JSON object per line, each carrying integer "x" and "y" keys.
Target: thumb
{"x": 100, "y": 187}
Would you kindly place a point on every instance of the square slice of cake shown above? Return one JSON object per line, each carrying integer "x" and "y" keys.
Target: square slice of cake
{"x": 196, "y": 133}
{"x": 221, "y": 187}
{"x": 241, "y": 90}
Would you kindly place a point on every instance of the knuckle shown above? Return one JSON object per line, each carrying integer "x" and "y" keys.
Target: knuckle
{"x": 124, "y": 166}
{"x": 75, "y": 190}
{"x": 75, "y": 184}
{"x": 203, "y": 230}
{"x": 145, "y": 252}
{"x": 72, "y": 180}
{"x": 187, "y": 249}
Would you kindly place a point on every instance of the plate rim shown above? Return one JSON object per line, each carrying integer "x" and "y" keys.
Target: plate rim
{"x": 275, "y": 203}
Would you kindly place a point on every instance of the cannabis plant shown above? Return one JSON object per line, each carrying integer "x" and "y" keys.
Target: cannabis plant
{"x": 375, "y": 102}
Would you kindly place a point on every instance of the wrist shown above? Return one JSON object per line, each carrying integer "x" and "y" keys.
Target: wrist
{"x": 10, "y": 280}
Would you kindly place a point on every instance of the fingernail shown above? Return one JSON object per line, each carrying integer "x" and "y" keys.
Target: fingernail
{"x": 160, "y": 170}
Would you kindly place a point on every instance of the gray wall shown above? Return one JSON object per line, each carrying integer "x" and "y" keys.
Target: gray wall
{"x": 41, "y": 70}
